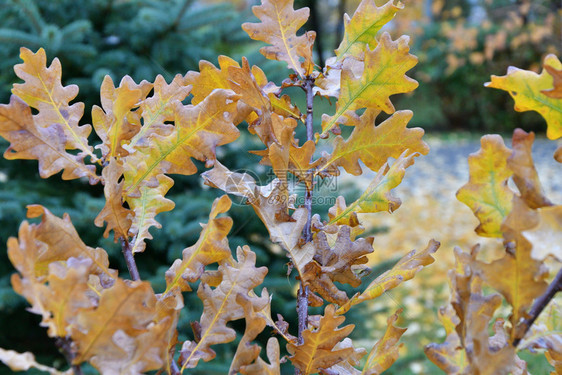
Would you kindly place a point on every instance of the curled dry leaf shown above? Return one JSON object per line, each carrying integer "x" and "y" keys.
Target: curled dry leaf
{"x": 318, "y": 350}
{"x": 486, "y": 192}
{"x": 524, "y": 173}
{"x": 528, "y": 91}
{"x": 211, "y": 247}
{"x": 383, "y": 75}
{"x": 42, "y": 89}
{"x": 556, "y": 91}
{"x": 386, "y": 350}
{"x": 373, "y": 145}
{"x": 221, "y": 306}
{"x": 31, "y": 140}
{"x": 279, "y": 26}
{"x": 404, "y": 270}
{"x": 260, "y": 367}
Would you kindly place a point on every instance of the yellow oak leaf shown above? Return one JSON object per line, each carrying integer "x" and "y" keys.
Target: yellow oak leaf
{"x": 42, "y": 89}
{"x": 118, "y": 218}
{"x": 361, "y": 30}
{"x": 114, "y": 122}
{"x": 211, "y": 247}
{"x": 279, "y": 26}
{"x": 378, "y": 195}
{"x": 546, "y": 236}
{"x": 370, "y": 84}
{"x": 556, "y": 74}
{"x": 33, "y": 141}
{"x": 404, "y": 270}
{"x": 527, "y": 90}
{"x": 523, "y": 278}
{"x": 221, "y": 306}
{"x": 317, "y": 350}
{"x": 209, "y": 77}
{"x": 486, "y": 192}
{"x": 386, "y": 350}
{"x": 524, "y": 172}
{"x": 375, "y": 144}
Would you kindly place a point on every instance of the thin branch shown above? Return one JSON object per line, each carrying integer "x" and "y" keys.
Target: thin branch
{"x": 130, "y": 259}
{"x": 540, "y": 304}
{"x": 65, "y": 346}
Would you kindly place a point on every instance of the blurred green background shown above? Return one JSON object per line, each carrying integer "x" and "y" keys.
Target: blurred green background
{"x": 460, "y": 43}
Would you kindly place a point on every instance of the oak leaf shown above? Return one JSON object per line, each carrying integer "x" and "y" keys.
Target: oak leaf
{"x": 524, "y": 172}
{"x": 347, "y": 366}
{"x": 486, "y": 192}
{"x": 386, "y": 350}
{"x": 317, "y": 350}
{"x": 527, "y": 90}
{"x": 211, "y": 247}
{"x": 114, "y": 122}
{"x": 42, "y": 89}
{"x": 361, "y": 30}
{"x": 404, "y": 270}
{"x": 25, "y": 361}
{"x": 260, "y": 367}
{"x": 221, "y": 306}
{"x": 546, "y": 236}
{"x": 378, "y": 195}
{"x": 375, "y": 144}
{"x": 279, "y": 26}
{"x": 118, "y": 218}
{"x": 382, "y": 75}
{"x": 556, "y": 91}
{"x": 32, "y": 141}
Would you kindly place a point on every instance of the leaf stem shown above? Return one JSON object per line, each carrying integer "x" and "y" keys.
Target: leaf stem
{"x": 64, "y": 345}
{"x": 540, "y": 304}
{"x": 130, "y": 259}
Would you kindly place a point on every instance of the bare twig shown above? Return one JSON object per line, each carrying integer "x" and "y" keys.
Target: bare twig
{"x": 130, "y": 259}
{"x": 64, "y": 344}
{"x": 540, "y": 304}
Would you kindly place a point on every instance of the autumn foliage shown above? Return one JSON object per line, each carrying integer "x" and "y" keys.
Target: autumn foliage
{"x": 146, "y": 135}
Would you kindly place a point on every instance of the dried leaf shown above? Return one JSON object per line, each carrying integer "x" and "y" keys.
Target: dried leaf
{"x": 361, "y": 30}
{"x": 521, "y": 278}
{"x": 375, "y": 144}
{"x": 212, "y": 246}
{"x": 221, "y": 306}
{"x": 279, "y": 26}
{"x": 558, "y": 154}
{"x": 260, "y": 367}
{"x": 386, "y": 350}
{"x": 42, "y": 90}
{"x": 31, "y": 141}
{"x": 114, "y": 123}
{"x": 546, "y": 331}
{"x": 383, "y": 75}
{"x": 524, "y": 173}
{"x": 118, "y": 218}
{"x": 486, "y": 192}
{"x": 25, "y": 361}
{"x": 404, "y": 270}
{"x": 546, "y": 237}
{"x": 317, "y": 351}
{"x": 347, "y": 366}
{"x": 556, "y": 91}
{"x": 527, "y": 90}
{"x": 334, "y": 264}
{"x": 378, "y": 195}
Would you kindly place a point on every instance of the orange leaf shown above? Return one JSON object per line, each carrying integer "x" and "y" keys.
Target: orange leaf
{"x": 32, "y": 141}
{"x": 221, "y": 306}
{"x": 279, "y": 26}
{"x": 211, "y": 247}
{"x": 556, "y": 74}
{"x": 317, "y": 350}
{"x": 42, "y": 90}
